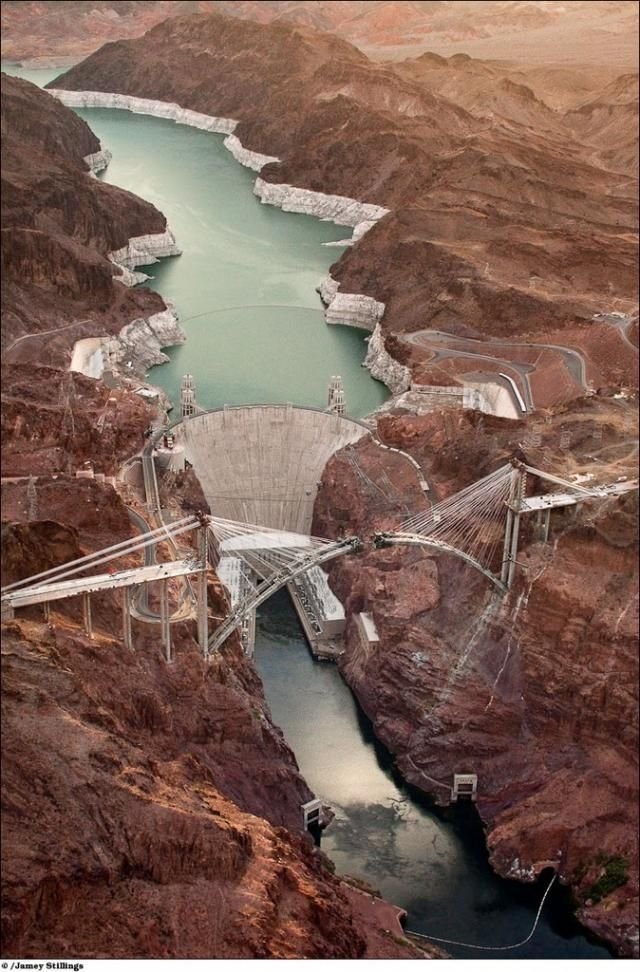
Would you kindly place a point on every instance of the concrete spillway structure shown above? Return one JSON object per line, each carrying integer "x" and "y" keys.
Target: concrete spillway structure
{"x": 263, "y": 463}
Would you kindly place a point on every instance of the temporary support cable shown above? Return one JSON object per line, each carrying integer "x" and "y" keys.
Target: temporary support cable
{"x": 491, "y": 948}
{"x": 117, "y": 550}
{"x": 94, "y": 563}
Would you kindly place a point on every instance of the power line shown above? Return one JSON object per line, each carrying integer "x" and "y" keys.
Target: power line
{"x": 491, "y": 948}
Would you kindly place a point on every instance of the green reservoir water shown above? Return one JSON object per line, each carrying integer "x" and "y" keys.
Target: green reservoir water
{"x": 244, "y": 288}
{"x": 272, "y": 347}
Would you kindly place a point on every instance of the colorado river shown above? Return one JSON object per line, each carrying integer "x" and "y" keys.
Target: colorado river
{"x": 275, "y": 347}
{"x": 385, "y": 832}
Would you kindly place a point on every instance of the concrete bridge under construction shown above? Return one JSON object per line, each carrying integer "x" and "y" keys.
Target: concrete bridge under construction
{"x": 259, "y": 467}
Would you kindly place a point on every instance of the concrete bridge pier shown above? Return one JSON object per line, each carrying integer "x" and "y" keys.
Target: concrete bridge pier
{"x": 513, "y": 554}
{"x": 512, "y": 528}
{"x": 86, "y": 610}
{"x": 544, "y": 524}
{"x": 126, "y": 619}
{"x": 165, "y": 624}
{"x": 203, "y": 617}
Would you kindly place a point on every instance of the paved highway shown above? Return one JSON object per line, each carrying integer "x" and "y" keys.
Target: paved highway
{"x": 437, "y": 342}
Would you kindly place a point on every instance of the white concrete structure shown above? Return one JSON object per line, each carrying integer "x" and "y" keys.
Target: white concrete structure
{"x": 263, "y": 463}
{"x": 464, "y": 785}
{"x": 234, "y": 574}
{"x": 88, "y": 357}
{"x": 322, "y": 609}
{"x": 368, "y": 627}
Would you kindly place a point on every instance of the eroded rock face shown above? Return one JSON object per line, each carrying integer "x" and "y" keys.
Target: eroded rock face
{"x": 130, "y": 821}
{"x": 536, "y": 693}
{"x": 252, "y": 160}
{"x": 53, "y": 422}
{"x": 59, "y": 227}
{"x": 139, "y": 344}
{"x": 384, "y": 366}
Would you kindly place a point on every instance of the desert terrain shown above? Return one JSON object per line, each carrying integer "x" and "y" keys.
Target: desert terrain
{"x": 509, "y": 248}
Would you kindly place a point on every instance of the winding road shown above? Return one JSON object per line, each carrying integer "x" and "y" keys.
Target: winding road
{"x": 622, "y": 323}
{"x": 33, "y": 334}
{"x": 444, "y": 345}
{"x": 140, "y": 598}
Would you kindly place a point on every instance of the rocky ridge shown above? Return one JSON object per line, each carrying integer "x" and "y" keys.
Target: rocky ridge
{"x": 584, "y": 32}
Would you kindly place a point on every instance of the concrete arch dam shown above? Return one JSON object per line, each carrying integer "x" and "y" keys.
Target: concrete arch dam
{"x": 261, "y": 463}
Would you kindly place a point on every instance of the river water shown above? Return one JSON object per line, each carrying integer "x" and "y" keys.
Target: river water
{"x": 244, "y": 288}
{"x": 275, "y": 347}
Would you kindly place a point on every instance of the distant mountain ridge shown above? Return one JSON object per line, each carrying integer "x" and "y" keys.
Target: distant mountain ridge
{"x": 549, "y": 32}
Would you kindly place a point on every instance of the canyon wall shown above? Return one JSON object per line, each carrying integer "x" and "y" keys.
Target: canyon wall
{"x": 154, "y": 810}
{"x": 491, "y": 225}
{"x": 536, "y": 693}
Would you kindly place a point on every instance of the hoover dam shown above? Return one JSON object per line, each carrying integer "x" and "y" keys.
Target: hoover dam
{"x": 263, "y": 463}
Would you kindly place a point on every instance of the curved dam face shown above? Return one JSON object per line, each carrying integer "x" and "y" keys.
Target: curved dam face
{"x": 263, "y": 463}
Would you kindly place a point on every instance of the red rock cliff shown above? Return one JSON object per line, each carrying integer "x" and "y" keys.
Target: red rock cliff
{"x": 535, "y": 693}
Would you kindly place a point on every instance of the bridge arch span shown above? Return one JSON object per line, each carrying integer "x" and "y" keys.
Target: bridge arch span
{"x": 330, "y": 552}
{"x": 275, "y": 583}
{"x": 416, "y": 539}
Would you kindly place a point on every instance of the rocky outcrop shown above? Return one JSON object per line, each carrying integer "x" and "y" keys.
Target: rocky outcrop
{"x": 384, "y": 367}
{"x": 145, "y": 106}
{"x": 139, "y": 344}
{"x": 54, "y": 420}
{"x": 141, "y": 251}
{"x": 358, "y": 310}
{"x": 354, "y": 310}
{"x": 130, "y": 278}
{"x": 337, "y": 209}
{"x": 137, "y": 347}
{"x": 98, "y": 161}
{"x": 328, "y": 288}
{"x": 252, "y": 160}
